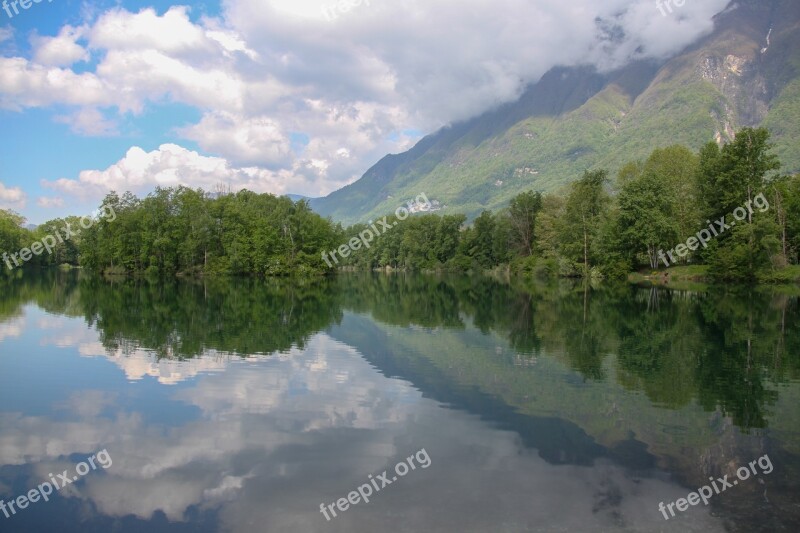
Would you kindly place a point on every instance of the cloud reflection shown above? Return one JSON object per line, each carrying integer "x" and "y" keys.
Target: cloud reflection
{"x": 279, "y": 435}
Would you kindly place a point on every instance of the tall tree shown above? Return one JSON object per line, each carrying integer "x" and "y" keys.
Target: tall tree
{"x": 677, "y": 166}
{"x": 586, "y": 206}
{"x": 548, "y": 226}
{"x": 523, "y": 210}
{"x": 731, "y": 178}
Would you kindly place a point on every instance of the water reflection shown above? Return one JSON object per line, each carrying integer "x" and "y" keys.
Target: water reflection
{"x": 543, "y": 409}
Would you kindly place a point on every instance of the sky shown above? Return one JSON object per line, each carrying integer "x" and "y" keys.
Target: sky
{"x": 278, "y": 96}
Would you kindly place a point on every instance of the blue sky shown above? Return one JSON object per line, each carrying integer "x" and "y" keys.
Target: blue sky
{"x": 276, "y": 96}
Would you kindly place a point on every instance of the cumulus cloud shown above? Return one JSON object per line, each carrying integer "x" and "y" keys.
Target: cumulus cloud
{"x": 46, "y": 202}
{"x": 254, "y": 141}
{"x": 27, "y": 84}
{"x": 89, "y": 121}
{"x": 264, "y": 72}
{"x": 60, "y": 51}
{"x": 172, "y": 165}
{"x": 172, "y": 32}
{"x": 12, "y": 197}
{"x": 178, "y": 62}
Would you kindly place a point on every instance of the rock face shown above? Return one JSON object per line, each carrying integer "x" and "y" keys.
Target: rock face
{"x": 739, "y": 60}
{"x": 738, "y": 79}
{"x": 745, "y": 73}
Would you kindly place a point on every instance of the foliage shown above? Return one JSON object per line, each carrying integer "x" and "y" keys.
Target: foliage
{"x": 12, "y": 235}
{"x": 730, "y": 178}
{"x": 179, "y": 230}
{"x": 646, "y": 220}
{"x": 586, "y": 206}
{"x": 585, "y": 231}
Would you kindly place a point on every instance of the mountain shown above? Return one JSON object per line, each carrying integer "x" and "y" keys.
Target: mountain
{"x": 745, "y": 73}
{"x": 297, "y": 197}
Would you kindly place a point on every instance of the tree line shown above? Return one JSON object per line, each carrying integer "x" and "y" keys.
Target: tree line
{"x": 190, "y": 232}
{"x": 595, "y": 227}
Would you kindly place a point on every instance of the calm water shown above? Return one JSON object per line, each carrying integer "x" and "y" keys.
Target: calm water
{"x": 242, "y": 406}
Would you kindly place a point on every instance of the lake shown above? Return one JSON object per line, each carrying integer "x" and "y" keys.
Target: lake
{"x": 449, "y": 403}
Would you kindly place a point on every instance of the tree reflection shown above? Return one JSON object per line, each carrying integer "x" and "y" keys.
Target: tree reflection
{"x": 725, "y": 350}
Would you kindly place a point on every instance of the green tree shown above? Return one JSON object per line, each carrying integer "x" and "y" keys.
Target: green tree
{"x": 677, "y": 166}
{"x": 12, "y": 237}
{"x": 731, "y": 178}
{"x": 481, "y": 244}
{"x": 735, "y": 174}
{"x": 784, "y": 195}
{"x": 548, "y": 228}
{"x": 522, "y": 211}
{"x": 586, "y": 206}
{"x": 646, "y": 221}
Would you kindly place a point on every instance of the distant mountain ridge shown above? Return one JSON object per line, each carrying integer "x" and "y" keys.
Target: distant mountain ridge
{"x": 745, "y": 73}
{"x": 297, "y": 197}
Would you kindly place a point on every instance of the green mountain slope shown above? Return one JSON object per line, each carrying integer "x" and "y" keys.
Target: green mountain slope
{"x": 746, "y": 73}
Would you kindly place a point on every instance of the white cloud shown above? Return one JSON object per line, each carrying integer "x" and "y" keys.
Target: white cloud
{"x": 171, "y": 32}
{"x": 12, "y": 197}
{"x": 60, "y": 51}
{"x": 26, "y": 84}
{"x": 156, "y": 57}
{"x": 6, "y": 33}
{"x": 46, "y": 202}
{"x": 231, "y": 43}
{"x": 246, "y": 141}
{"x": 154, "y": 75}
{"x": 172, "y": 165}
{"x": 90, "y": 122}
